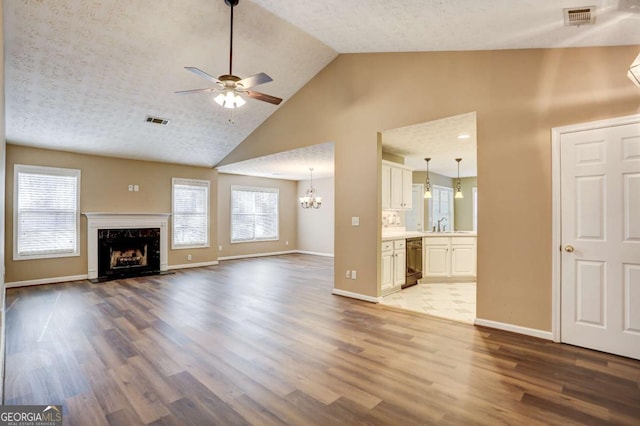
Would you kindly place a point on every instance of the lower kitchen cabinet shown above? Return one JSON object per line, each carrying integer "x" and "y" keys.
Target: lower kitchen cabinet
{"x": 449, "y": 258}
{"x": 394, "y": 258}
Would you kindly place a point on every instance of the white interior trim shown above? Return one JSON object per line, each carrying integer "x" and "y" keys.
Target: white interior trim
{"x": 193, "y": 265}
{"x": 245, "y": 256}
{"x": 315, "y": 253}
{"x": 556, "y": 199}
{"x": 97, "y": 221}
{"x": 358, "y": 296}
{"x": 42, "y": 281}
{"x": 547, "y": 335}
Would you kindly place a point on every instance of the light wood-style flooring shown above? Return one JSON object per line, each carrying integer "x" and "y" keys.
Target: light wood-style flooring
{"x": 262, "y": 341}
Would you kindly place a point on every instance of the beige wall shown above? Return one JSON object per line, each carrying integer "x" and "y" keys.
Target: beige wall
{"x": 104, "y": 189}
{"x": 463, "y": 207}
{"x": 518, "y": 95}
{"x": 288, "y": 231}
{"x": 315, "y": 226}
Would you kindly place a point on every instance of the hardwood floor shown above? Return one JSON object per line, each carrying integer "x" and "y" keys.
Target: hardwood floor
{"x": 263, "y": 341}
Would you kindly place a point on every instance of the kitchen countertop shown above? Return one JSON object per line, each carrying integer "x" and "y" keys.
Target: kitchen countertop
{"x": 387, "y": 236}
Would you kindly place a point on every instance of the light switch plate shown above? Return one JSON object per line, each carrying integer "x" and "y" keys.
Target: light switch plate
{"x": 355, "y": 221}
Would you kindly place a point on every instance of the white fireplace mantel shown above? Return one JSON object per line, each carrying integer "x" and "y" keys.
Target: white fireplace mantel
{"x": 97, "y": 221}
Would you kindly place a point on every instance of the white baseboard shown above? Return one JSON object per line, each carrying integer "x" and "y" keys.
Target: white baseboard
{"x": 42, "y": 281}
{"x": 193, "y": 265}
{"x": 358, "y": 296}
{"x": 314, "y": 253}
{"x": 547, "y": 335}
{"x": 245, "y": 256}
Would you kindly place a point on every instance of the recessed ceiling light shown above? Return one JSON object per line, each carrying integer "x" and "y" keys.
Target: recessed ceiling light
{"x": 464, "y": 136}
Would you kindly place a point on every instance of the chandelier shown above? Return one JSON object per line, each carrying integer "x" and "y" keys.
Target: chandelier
{"x": 310, "y": 199}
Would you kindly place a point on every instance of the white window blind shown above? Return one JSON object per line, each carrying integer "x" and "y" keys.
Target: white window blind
{"x": 254, "y": 214}
{"x": 190, "y": 216}
{"x": 46, "y": 212}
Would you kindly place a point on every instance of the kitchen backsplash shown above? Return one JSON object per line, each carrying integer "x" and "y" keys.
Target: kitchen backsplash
{"x": 392, "y": 219}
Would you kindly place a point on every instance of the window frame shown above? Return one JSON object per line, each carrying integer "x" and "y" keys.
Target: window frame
{"x": 277, "y": 214}
{"x": 451, "y": 201}
{"x": 190, "y": 182}
{"x": 49, "y": 171}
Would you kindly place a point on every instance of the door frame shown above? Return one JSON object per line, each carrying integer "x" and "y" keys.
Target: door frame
{"x": 556, "y": 228}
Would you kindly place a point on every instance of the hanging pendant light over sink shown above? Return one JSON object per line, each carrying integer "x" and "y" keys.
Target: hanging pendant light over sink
{"x": 458, "y": 183}
{"x": 427, "y": 185}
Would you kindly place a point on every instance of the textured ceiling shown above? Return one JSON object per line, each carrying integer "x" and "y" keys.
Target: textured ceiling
{"x": 292, "y": 165}
{"x": 423, "y": 25}
{"x": 82, "y": 75}
{"x": 438, "y": 140}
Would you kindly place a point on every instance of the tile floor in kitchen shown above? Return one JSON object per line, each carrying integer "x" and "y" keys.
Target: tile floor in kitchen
{"x": 455, "y": 301}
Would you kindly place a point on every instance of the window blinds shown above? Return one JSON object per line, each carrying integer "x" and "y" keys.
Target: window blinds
{"x": 47, "y": 214}
{"x": 254, "y": 214}
{"x": 190, "y": 218}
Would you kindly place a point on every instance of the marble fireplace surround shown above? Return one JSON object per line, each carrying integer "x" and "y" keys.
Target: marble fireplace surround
{"x": 97, "y": 221}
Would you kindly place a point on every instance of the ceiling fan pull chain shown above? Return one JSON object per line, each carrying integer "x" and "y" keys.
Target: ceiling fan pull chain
{"x": 231, "y": 40}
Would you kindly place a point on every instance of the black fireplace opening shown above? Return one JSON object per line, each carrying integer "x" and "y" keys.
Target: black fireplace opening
{"x": 124, "y": 253}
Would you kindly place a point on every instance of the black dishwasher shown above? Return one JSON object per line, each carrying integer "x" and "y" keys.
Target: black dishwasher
{"x": 414, "y": 261}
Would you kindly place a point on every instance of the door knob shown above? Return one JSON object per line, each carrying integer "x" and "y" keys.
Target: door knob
{"x": 568, "y": 248}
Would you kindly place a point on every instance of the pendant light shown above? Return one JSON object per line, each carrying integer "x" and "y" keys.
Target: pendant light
{"x": 310, "y": 199}
{"x": 427, "y": 186}
{"x": 458, "y": 184}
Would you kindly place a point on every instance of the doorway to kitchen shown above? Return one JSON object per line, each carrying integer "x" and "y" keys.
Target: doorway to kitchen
{"x": 444, "y": 201}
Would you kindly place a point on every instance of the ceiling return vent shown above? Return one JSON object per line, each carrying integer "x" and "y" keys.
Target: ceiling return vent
{"x": 157, "y": 120}
{"x": 576, "y": 16}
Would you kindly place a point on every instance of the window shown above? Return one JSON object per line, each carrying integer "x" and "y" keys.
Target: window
{"x": 441, "y": 208}
{"x": 190, "y": 216}
{"x": 254, "y": 214}
{"x": 46, "y": 213}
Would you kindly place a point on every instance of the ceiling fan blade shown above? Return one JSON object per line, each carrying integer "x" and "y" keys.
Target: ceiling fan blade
{"x": 188, "y": 92}
{"x": 202, "y": 74}
{"x": 254, "y": 80}
{"x": 263, "y": 97}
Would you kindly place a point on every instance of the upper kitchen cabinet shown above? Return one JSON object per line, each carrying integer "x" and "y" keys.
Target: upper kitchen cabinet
{"x": 396, "y": 187}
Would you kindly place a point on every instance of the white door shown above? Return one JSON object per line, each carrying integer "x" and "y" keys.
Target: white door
{"x": 386, "y": 282}
{"x": 396, "y": 188}
{"x": 386, "y": 187}
{"x": 413, "y": 218}
{"x": 600, "y": 237}
{"x": 399, "y": 267}
{"x": 407, "y": 189}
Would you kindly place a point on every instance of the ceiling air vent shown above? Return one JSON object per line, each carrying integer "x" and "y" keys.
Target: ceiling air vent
{"x": 157, "y": 120}
{"x": 576, "y": 16}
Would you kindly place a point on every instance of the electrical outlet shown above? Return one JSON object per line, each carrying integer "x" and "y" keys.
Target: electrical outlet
{"x": 220, "y": 248}
{"x": 286, "y": 243}
{"x": 188, "y": 257}
{"x": 355, "y": 221}
{"x": 354, "y": 274}
{"x": 130, "y": 187}
{"x": 348, "y": 274}
{"x": 136, "y": 188}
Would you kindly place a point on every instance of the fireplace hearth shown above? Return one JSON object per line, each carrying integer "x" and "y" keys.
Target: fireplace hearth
{"x": 129, "y": 252}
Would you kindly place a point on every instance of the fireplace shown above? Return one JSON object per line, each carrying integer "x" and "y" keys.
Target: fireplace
{"x": 128, "y": 252}
{"x": 126, "y": 244}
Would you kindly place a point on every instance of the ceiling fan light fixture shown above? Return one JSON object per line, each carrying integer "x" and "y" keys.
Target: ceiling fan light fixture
{"x": 229, "y": 99}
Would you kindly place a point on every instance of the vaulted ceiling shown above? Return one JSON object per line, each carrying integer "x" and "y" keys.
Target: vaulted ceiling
{"x": 83, "y": 75}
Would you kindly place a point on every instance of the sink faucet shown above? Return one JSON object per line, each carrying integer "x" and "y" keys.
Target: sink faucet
{"x": 441, "y": 219}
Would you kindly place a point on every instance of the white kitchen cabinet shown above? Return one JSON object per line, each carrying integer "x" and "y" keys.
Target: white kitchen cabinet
{"x": 393, "y": 266}
{"x": 386, "y": 187}
{"x": 396, "y": 187}
{"x": 463, "y": 259}
{"x": 436, "y": 260}
{"x": 447, "y": 258}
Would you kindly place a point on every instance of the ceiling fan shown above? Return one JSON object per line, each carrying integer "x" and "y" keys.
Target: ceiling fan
{"x": 231, "y": 88}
